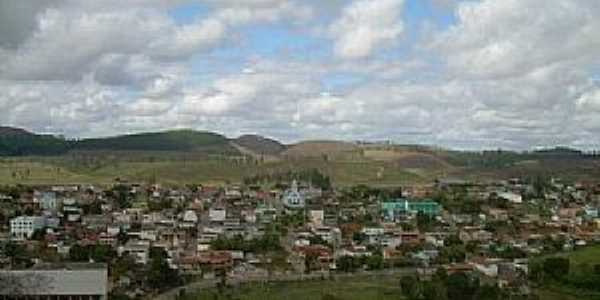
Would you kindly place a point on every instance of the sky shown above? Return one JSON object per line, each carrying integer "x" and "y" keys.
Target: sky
{"x": 487, "y": 74}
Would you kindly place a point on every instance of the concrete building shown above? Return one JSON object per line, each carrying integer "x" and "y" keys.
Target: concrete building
{"x": 46, "y": 200}
{"x": 217, "y": 214}
{"x": 394, "y": 210}
{"x": 511, "y": 197}
{"x": 23, "y": 227}
{"x": 56, "y": 282}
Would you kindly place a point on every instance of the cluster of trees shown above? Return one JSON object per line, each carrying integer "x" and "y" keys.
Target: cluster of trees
{"x": 17, "y": 255}
{"x": 457, "y": 200}
{"x": 314, "y": 176}
{"x": 365, "y": 192}
{"x": 121, "y": 193}
{"x": 96, "y": 253}
{"x": 351, "y": 263}
{"x": 557, "y": 271}
{"x": 454, "y": 251}
{"x": 456, "y": 286}
{"x": 159, "y": 274}
{"x": 266, "y": 243}
{"x": 485, "y": 159}
{"x": 425, "y": 222}
{"x": 15, "y": 191}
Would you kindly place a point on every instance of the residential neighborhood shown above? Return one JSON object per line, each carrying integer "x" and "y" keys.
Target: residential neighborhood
{"x": 152, "y": 238}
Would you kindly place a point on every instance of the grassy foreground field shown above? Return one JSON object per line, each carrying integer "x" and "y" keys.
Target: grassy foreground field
{"x": 590, "y": 256}
{"x": 380, "y": 288}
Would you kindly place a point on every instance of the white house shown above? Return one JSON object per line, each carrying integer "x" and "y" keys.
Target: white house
{"x": 23, "y": 227}
{"x": 139, "y": 250}
{"x": 217, "y": 214}
{"x": 190, "y": 219}
{"x": 190, "y": 216}
{"x": 511, "y": 197}
{"x": 317, "y": 217}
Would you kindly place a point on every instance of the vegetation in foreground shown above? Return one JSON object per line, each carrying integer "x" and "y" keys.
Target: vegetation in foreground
{"x": 376, "y": 288}
{"x": 568, "y": 276}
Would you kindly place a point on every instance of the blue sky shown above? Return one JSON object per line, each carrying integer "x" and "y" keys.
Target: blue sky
{"x": 468, "y": 74}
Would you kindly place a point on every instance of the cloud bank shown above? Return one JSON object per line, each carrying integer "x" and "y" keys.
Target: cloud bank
{"x": 486, "y": 74}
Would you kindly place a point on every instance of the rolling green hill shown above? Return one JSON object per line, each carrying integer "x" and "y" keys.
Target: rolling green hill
{"x": 176, "y": 140}
{"x": 18, "y": 142}
{"x": 187, "y": 156}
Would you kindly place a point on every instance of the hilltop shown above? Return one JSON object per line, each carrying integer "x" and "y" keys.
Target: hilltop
{"x": 175, "y": 140}
{"x": 11, "y": 131}
{"x": 19, "y": 142}
{"x": 259, "y": 145}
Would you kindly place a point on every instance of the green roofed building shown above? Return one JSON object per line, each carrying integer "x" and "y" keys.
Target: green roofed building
{"x": 393, "y": 210}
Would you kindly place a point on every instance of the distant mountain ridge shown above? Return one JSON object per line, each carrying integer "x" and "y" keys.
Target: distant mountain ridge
{"x": 20, "y": 142}
{"x": 12, "y": 131}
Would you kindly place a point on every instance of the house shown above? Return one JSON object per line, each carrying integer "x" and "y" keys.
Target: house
{"x": 511, "y": 197}
{"x": 331, "y": 235}
{"x": 249, "y": 216}
{"x": 497, "y": 214}
{"x": 458, "y": 268}
{"x": 316, "y": 217}
{"x": 265, "y": 214}
{"x": 391, "y": 240}
{"x": 425, "y": 256}
{"x": 487, "y": 267}
{"x": 190, "y": 219}
{"x": 320, "y": 256}
{"x": 470, "y": 233}
{"x": 357, "y": 251}
{"x": 373, "y": 236}
{"x": 205, "y": 262}
{"x": 591, "y": 212}
{"x": 410, "y": 238}
{"x": 5, "y": 198}
{"x": 23, "y": 227}
{"x": 568, "y": 213}
{"x": 138, "y": 250}
{"x": 217, "y": 214}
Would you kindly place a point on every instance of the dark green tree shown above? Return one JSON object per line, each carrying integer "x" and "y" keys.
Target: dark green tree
{"x": 160, "y": 276}
{"x": 434, "y": 290}
{"x": 410, "y": 287}
{"x": 461, "y": 286}
{"x": 556, "y": 267}
{"x": 78, "y": 253}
